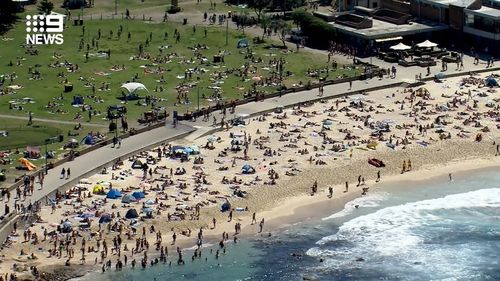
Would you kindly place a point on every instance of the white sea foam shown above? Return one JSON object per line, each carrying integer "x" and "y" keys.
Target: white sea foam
{"x": 405, "y": 234}
{"x": 369, "y": 201}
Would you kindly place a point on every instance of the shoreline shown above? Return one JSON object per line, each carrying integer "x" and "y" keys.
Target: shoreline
{"x": 299, "y": 207}
{"x": 302, "y": 208}
{"x": 286, "y": 173}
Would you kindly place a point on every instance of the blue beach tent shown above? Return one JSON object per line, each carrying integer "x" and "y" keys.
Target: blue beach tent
{"x": 138, "y": 195}
{"x": 113, "y": 194}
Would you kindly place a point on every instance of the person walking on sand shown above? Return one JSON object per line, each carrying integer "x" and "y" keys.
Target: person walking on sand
{"x": 63, "y": 173}
{"x": 330, "y": 192}
{"x": 230, "y": 217}
{"x": 378, "y": 176}
{"x": 214, "y": 221}
{"x": 253, "y": 219}
{"x": 261, "y": 225}
{"x": 450, "y": 177}
{"x": 346, "y": 186}
{"x": 404, "y": 167}
{"x": 409, "y": 165}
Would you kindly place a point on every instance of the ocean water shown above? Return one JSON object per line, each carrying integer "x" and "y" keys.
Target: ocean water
{"x": 429, "y": 230}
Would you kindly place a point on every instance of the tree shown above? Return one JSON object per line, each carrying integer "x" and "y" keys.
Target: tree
{"x": 45, "y": 7}
{"x": 286, "y": 5}
{"x": 283, "y": 29}
{"x": 7, "y": 15}
{"x": 242, "y": 20}
{"x": 318, "y": 31}
{"x": 259, "y": 6}
{"x": 265, "y": 23}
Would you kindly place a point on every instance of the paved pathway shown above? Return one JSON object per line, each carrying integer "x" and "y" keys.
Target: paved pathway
{"x": 55, "y": 121}
{"x": 404, "y": 74}
{"x": 88, "y": 162}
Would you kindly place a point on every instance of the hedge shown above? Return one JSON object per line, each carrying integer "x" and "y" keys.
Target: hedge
{"x": 318, "y": 31}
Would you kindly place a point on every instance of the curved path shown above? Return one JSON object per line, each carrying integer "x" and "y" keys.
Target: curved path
{"x": 52, "y": 121}
{"x": 88, "y": 163}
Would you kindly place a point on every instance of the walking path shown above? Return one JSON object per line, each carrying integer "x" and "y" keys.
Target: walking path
{"x": 404, "y": 75}
{"x": 55, "y": 121}
{"x": 90, "y": 162}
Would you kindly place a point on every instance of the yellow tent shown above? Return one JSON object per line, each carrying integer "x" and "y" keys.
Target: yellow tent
{"x": 98, "y": 189}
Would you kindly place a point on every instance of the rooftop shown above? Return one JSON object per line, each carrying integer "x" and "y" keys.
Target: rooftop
{"x": 383, "y": 29}
{"x": 486, "y": 11}
{"x": 446, "y": 3}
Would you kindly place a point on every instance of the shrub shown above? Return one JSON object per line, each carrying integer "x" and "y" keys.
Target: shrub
{"x": 74, "y": 4}
{"x": 173, "y": 9}
{"x": 318, "y": 31}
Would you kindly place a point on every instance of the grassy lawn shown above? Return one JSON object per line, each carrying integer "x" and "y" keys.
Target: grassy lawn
{"x": 220, "y": 76}
{"x": 20, "y": 136}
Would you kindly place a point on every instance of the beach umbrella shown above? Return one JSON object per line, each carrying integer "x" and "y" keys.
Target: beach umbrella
{"x": 211, "y": 138}
{"x": 426, "y": 44}
{"x": 400, "y": 47}
{"x": 327, "y": 122}
{"x": 149, "y": 202}
{"x": 132, "y": 87}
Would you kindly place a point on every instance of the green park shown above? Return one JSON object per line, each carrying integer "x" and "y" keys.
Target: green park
{"x": 145, "y": 64}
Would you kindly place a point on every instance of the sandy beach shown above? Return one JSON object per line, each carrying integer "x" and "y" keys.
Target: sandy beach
{"x": 283, "y": 167}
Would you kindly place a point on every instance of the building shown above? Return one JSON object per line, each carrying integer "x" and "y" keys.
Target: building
{"x": 471, "y": 22}
{"x": 454, "y": 23}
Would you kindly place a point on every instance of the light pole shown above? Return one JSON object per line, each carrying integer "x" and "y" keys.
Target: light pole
{"x": 47, "y": 141}
{"x": 227, "y": 31}
{"x": 46, "y": 156}
{"x": 198, "y": 94}
{"x": 116, "y": 7}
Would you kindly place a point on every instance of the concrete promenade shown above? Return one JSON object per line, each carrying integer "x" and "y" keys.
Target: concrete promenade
{"x": 89, "y": 163}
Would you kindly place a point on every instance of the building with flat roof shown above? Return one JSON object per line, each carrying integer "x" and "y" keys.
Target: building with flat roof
{"x": 457, "y": 23}
{"x": 380, "y": 29}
